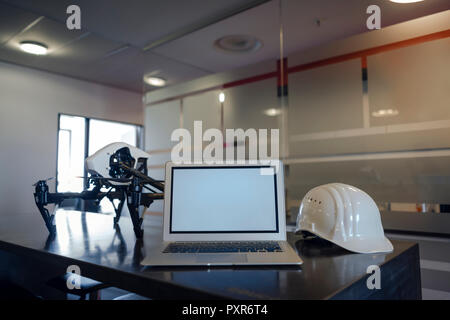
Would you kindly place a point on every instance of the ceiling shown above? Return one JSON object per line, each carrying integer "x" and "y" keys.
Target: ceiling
{"x": 120, "y": 41}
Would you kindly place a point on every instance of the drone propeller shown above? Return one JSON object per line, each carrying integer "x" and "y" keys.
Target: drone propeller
{"x": 45, "y": 180}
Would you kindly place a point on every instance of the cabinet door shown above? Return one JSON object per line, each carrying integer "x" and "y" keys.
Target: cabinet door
{"x": 414, "y": 81}
{"x": 322, "y": 101}
{"x": 203, "y": 107}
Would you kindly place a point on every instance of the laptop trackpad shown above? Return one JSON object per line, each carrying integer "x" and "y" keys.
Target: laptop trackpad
{"x": 221, "y": 258}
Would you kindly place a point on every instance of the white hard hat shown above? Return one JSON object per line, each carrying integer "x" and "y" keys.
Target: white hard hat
{"x": 344, "y": 215}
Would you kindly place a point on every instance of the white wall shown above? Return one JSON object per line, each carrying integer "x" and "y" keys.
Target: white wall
{"x": 30, "y": 101}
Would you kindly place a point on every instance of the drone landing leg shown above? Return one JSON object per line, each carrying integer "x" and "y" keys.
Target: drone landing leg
{"x": 118, "y": 211}
{"x": 133, "y": 203}
{"x": 137, "y": 221}
{"x": 119, "y": 208}
{"x": 41, "y": 197}
{"x": 48, "y": 219}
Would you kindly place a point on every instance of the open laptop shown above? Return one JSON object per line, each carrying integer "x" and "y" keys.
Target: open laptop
{"x": 224, "y": 215}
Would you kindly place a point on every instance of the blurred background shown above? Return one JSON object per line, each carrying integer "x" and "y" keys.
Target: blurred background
{"x": 370, "y": 108}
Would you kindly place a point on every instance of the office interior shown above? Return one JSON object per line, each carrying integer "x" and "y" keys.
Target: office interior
{"x": 353, "y": 103}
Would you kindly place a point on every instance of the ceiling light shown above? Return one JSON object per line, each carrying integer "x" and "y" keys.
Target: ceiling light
{"x": 405, "y": 1}
{"x": 221, "y": 97}
{"x": 385, "y": 113}
{"x": 155, "y": 81}
{"x": 33, "y": 47}
{"x": 272, "y": 112}
{"x": 238, "y": 43}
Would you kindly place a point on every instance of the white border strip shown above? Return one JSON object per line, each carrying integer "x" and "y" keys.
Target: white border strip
{"x": 431, "y": 294}
{"x": 395, "y": 236}
{"x": 373, "y": 156}
{"x": 435, "y": 265}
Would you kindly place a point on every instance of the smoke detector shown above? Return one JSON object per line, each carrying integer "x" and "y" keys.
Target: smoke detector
{"x": 238, "y": 43}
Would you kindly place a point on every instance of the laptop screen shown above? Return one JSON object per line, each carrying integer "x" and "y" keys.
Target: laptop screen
{"x": 223, "y": 200}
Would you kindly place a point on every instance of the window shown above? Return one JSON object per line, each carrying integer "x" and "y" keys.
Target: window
{"x": 102, "y": 133}
{"x": 71, "y": 153}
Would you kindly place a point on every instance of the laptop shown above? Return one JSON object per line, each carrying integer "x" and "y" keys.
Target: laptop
{"x": 223, "y": 215}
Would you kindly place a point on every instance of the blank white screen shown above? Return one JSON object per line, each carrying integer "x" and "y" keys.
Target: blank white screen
{"x": 223, "y": 199}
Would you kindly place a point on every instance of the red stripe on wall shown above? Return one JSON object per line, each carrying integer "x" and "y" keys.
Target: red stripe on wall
{"x": 282, "y": 77}
{"x": 371, "y": 51}
{"x": 250, "y": 80}
{"x": 364, "y": 62}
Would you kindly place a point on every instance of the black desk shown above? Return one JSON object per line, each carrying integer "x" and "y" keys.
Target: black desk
{"x": 112, "y": 256}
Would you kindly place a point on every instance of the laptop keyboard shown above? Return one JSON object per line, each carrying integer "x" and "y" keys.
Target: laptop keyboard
{"x": 223, "y": 247}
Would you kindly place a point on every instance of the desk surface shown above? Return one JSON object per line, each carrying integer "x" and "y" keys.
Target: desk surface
{"x": 113, "y": 255}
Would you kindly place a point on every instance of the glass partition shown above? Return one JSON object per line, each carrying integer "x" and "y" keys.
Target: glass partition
{"x": 368, "y": 107}
{"x": 353, "y": 103}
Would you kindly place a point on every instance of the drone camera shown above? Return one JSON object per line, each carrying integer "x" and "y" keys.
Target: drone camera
{"x": 122, "y": 155}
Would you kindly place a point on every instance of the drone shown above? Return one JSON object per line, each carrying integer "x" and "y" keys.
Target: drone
{"x": 122, "y": 170}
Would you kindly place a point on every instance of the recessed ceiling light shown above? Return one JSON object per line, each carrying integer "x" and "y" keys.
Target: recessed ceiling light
{"x": 385, "y": 113}
{"x": 238, "y": 43}
{"x": 405, "y": 1}
{"x": 155, "y": 81}
{"x": 33, "y": 47}
{"x": 272, "y": 112}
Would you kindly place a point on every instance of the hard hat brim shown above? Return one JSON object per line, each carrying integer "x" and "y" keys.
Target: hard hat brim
{"x": 368, "y": 245}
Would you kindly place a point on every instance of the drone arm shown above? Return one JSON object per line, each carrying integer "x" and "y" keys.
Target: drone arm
{"x": 146, "y": 179}
{"x": 148, "y": 198}
{"x": 85, "y": 195}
